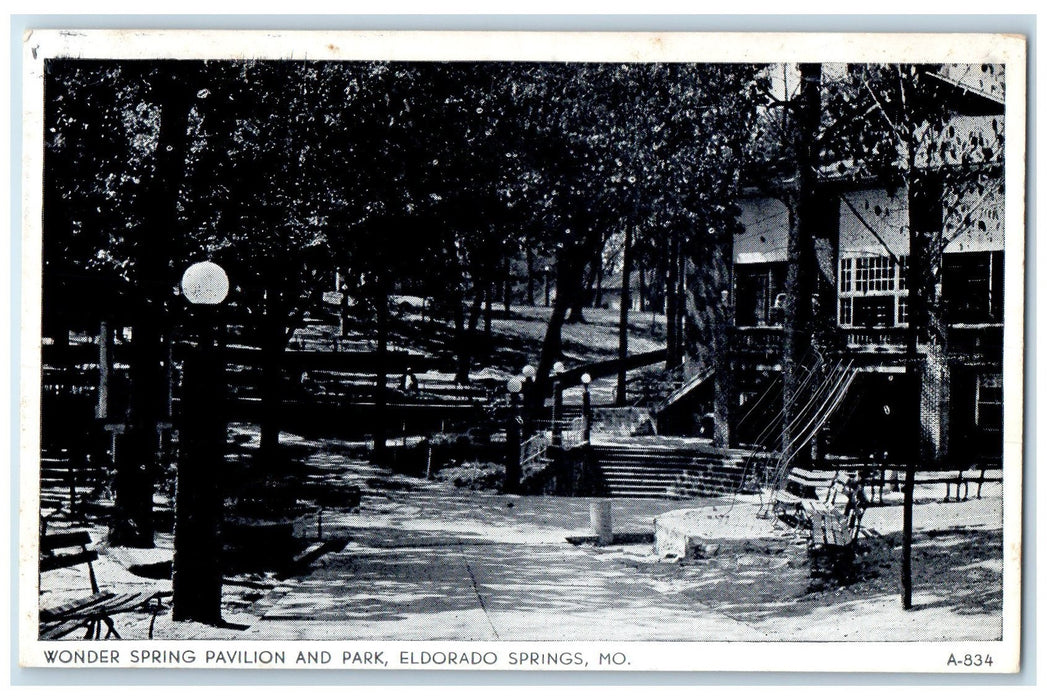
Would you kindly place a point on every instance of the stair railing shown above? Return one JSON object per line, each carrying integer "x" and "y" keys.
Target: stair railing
{"x": 533, "y": 450}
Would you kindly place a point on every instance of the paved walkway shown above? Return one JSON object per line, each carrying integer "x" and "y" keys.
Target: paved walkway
{"x": 426, "y": 561}
{"x": 430, "y": 562}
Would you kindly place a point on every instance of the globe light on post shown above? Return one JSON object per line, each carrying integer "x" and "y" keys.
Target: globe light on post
{"x": 587, "y": 419}
{"x": 528, "y": 375}
{"x": 557, "y": 416}
{"x": 197, "y": 565}
{"x": 513, "y": 424}
{"x": 205, "y": 283}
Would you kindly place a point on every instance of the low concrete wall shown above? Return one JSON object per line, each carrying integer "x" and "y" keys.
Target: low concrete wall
{"x": 695, "y": 533}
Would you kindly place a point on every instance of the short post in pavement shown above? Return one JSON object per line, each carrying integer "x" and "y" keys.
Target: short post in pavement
{"x": 587, "y": 409}
{"x": 512, "y": 436}
{"x": 600, "y": 519}
{"x": 556, "y": 440}
{"x": 197, "y": 575}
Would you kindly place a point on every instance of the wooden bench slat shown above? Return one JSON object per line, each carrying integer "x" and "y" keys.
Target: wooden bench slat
{"x": 109, "y": 606}
{"x": 73, "y": 607}
{"x": 62, "y": 561}
{"x": 57, "y": 631}
{"x": 65, "y": 539}
{"x": 131, "y": 602}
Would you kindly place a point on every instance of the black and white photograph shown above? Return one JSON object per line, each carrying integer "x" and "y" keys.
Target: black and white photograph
{"x": 523, "y": 353}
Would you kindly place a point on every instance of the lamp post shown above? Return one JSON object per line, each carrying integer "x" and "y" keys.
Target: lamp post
{"x": 197, "y": 574}
{"x": 528, "y": 374}
{"x": 557, "y": 432}
{"x": 512, "y": 436}
{"x": 587, "y": 418}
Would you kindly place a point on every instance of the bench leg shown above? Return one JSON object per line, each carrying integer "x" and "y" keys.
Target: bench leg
{"x": 152, "y": 622}
{"x": 112, "y": 628}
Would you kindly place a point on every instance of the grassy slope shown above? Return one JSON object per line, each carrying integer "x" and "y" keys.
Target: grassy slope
{"x": 516, "y": 338}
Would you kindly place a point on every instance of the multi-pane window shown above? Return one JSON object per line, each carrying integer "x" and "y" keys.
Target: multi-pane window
{"x": 872, "y": 291}
{"x": 846, "y": 275}
{"x": 988, "y": 402}
{"x": 873, "y": 275}
{"x": 903, "y": 311}
{"x": 846, "y": 312}
{"x": 972, "y": 285}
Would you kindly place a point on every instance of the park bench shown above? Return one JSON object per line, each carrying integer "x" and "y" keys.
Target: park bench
{"x": 802, "y": 485}
{"x": 70, "y": 549}
{"x": 834, "y": 519}
{"x": 834, "y": 538}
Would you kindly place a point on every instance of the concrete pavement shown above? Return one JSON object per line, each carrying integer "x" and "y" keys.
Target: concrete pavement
{"x": 426, "y": 561}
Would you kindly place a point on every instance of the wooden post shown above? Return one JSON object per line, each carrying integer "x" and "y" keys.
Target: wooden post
{"x": 512, "y": 445}
{"x": 557, "y": 435}
{"x": 907, "y": 503}
{"x": 105, "y": 365}
{"x": 623, "y": 316}
{"x": 197, "y": 575}
{"x": 587, "y": 414}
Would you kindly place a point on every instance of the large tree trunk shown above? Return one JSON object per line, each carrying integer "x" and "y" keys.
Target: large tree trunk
{"x": 272, "y": 349}
{"x": 342, "y": 288}
{"x": 929, "y": 378}
{"x": 575, "y": 313}
{"x": 461, "y": 340}
{"x": 507, "y": 286}
{"x": 381, "y": 418}
{"x": 131, "y": 523}
{"x": 488, "y": 296}
{"x": 718, "y": 311}
{"x": 467, "y": 347}
{"x": 803, "y": 265}
{"x": 623, "y": 316}
{"x": 641, "y": 286}
{"x": 136, "y": 464}
{"x": 672, "y": 306}
{"x": 530, "y": 276}
{"x": 569, "y": 273}
{"x": 598, "y": 294}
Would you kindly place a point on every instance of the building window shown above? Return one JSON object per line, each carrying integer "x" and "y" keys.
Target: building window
{"x": 846, "y": 275}
{"x": 872, "y": 291}
{"x": 972, "y": 284}
{"x": 988, "y": 402}
{"x": 873, "y": 275}
{"x": 873, "y": 312}
{"x": 759, "y": 294}
{"x": 846, "y": 315}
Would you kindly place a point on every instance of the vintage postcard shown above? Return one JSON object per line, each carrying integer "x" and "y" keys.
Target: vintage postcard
{"x": 522, "y": 351}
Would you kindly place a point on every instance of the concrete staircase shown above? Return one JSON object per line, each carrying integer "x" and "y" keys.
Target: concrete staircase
{"x": 651, "y": 470}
